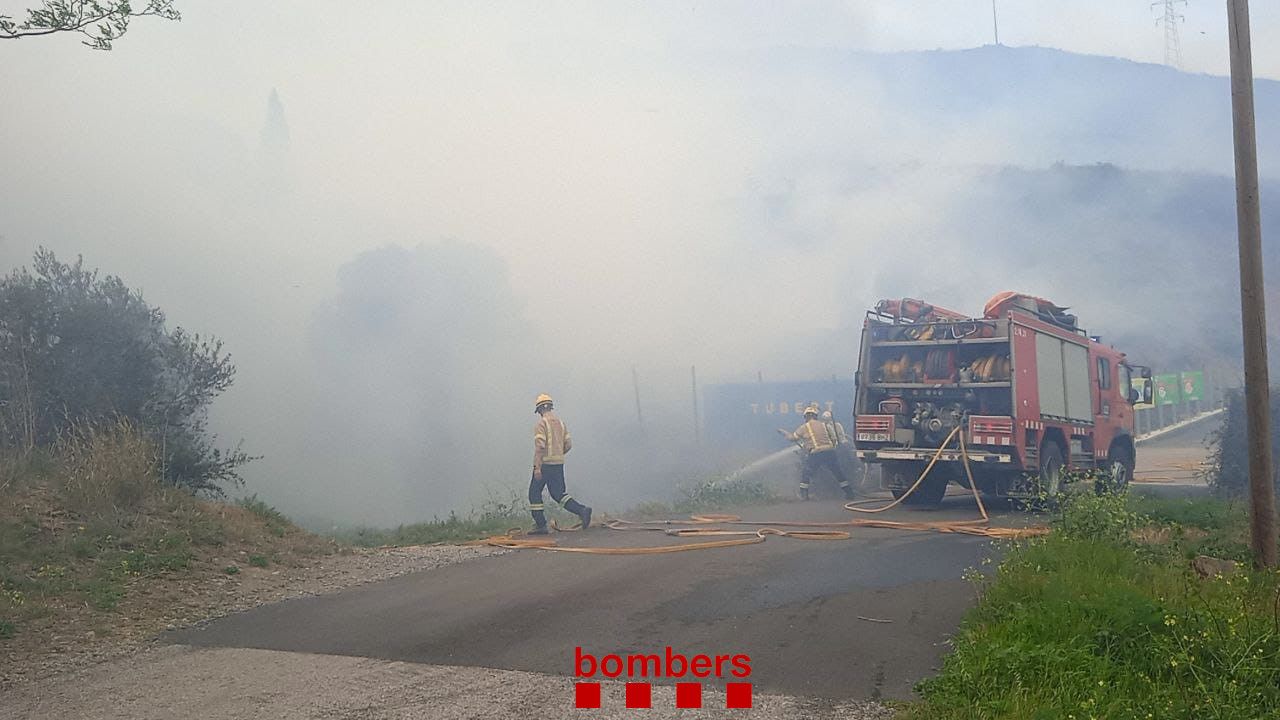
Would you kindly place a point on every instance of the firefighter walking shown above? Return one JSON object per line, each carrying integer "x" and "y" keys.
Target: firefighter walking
{"x": 551, "y": 441}
{"x": 819, "y": 446}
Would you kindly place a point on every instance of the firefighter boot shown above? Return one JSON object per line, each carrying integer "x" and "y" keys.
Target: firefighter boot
{"x": 804, "y": 491}
{"x": 539, "y": 522}
{"x": 848, "y": 491}
{"x": 582, "y": 511}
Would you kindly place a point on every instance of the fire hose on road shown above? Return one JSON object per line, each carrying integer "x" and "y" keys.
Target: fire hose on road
{"x": 698, "y": 525}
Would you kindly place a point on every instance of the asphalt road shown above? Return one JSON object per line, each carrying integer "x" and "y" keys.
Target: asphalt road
{"x": 829, "y": 626}
{"x": 1172, "y": 464}
{"x": 793, "y": 606}
{"x": 799, "y": 609}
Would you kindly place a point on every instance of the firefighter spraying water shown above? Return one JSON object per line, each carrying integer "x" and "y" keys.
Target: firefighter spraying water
{"x": 818, "y": 440}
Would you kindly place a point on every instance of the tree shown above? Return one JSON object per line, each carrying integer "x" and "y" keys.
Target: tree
{"x": 76, "y": 347}
{"x": 101, "y": 22}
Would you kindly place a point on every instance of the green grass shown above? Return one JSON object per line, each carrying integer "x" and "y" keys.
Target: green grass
{"x": 453, "y": 529}
{"x": 706, "y": 497}
{"x": 1205, "y": 513}
{"x": 496, "y": 516}
{"x": 103, "y": 592}
{"x": 1097, "y": 621}
{"x": 1203, "y": 526}
{"x": 277, "y": 523}
{"x": 258, "y": 560}
{"x": 7, "y": 629}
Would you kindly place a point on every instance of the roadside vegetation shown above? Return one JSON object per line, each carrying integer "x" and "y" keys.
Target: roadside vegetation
{"x": 716, "y": 494}
{"x": 1228, "y": 467}
{"x": 1129, "y": 609}
{"x": 79, "y": 348}
{"x": 499, "y": 514}
{"x": 89, "y": 528}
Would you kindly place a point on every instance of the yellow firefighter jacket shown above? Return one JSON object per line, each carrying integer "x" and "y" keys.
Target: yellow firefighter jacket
{"x": 813, "y": 437}
{"x": 551, "y": 440}
{"x": 835, "y": 431}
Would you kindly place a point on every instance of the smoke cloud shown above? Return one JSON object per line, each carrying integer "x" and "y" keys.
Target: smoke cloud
{"x": 408, "y": 222}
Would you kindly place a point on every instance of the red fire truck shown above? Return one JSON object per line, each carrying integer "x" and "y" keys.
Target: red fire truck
{"x": 1032, "y": 394}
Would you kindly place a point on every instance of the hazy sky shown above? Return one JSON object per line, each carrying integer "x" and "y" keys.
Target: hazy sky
{"x": 649, "y": 190}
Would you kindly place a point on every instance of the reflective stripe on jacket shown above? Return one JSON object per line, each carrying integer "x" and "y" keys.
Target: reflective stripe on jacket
{"x": 813, "y": 437}
{"x": 552, "y": 438}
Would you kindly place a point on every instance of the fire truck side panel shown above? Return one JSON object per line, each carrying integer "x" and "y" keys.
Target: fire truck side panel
{"x": 1026, "y": 398}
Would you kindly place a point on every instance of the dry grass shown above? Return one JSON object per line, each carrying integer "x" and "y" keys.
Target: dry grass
{"x": 108, "y": 470}
{"x": 92, "y": 542}
{"x": 1165, "y": 535}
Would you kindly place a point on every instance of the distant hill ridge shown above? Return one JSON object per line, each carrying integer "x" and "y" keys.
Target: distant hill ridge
{"x": 1052, "y": 105}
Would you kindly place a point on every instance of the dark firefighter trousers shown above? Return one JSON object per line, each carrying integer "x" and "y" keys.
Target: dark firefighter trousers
{"x": 813, "y": 464}
{"x": 553, "y": 480}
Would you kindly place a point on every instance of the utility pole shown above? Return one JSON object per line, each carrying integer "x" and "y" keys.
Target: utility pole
{"x": 697, "y": 426}
{"x": 1262, "y": 498}
{"x": 1172, "y": 41}
{"x": 635, "y": 383}
{"x": 995, "y": 21}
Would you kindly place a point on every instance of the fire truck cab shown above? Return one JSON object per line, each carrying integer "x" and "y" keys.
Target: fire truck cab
{"x": 1022, "y": 391}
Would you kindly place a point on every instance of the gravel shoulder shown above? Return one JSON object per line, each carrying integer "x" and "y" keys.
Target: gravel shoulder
{"x": 233, "y": 683}
{"x": 87, "y": 638}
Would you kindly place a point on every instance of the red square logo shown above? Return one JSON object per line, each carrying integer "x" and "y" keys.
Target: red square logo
{"x": 639, "y": 695}
{"x": 737, "y": 695}
{"x": 587, "y": 695}
{"x": 688, "y": 695}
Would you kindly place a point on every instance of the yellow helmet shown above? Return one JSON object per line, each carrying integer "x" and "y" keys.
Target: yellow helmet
{"x": 811, "y": 410}
{"x": 543, "y": 399}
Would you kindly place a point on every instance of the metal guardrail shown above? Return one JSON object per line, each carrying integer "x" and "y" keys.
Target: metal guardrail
{"x": 1174, "y": 427}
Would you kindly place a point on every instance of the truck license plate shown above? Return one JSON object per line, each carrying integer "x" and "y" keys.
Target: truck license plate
{"x": 873, "y": 437}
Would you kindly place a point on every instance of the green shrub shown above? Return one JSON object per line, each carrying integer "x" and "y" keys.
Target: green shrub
{"x": 80, "y": 347}
{"x": 258, "y": 560}
{"x": 1105, "y": 517}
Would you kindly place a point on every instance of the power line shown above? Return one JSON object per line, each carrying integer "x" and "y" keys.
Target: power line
{"x": 1172, "y": 40}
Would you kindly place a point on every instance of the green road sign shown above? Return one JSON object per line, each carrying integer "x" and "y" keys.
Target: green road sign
{"x": 1168, "y": 389}
{"x": 1192, "y": 386}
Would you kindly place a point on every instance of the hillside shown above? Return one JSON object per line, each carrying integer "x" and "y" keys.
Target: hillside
{"x": 1103, "y": 183}
{"x": 98, "y": 556}
{"x": 1037, "y": 106}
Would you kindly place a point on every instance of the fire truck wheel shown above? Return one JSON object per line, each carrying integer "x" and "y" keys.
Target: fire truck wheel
{"x": 931, "y": 490}
{"x": 1050, "y": 469}
{"x": 1119, "y": 471}
{"x": 900, "y": 476}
